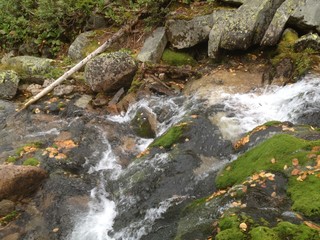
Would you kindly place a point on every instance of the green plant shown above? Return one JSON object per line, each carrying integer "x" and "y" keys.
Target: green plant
{"x": 12, "y": 159}
{"x": 31, "y": 162}
{"x": 8, "y": 218}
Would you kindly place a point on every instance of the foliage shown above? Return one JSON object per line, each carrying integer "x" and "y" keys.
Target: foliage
{"x": 230, "y": 234}
{"x": 12, "y": 159}
{"x": 8, "y": 218}
{"x": 177, "y": 58}
{"x": 31, "y": 162}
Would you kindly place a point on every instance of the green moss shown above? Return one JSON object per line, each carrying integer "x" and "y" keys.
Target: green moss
{"x": 8, "y": 218}
{"x": 12, "y": 159}
{"x": 302, "y": 61}
{"x": 305, "y": 195}
{"x": 61, "y": 105}
{"x": 169, "y": 138}
{"x": 282, "y": 147}
{"x": 286, "y": 230}
{"x": 272, "y": 123}
{"x": 230, "y": 234}
{"x": 31, "y": 162}
{"x": 194, "y": 204}
{"x": 177, "y": 58}
{"x": 264, "y": 233}
{"x": 229, "y": 222}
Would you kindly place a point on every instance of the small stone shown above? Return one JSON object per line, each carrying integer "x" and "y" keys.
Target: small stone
{"x": 274, "y": 194}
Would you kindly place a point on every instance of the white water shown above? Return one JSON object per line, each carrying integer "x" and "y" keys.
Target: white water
{"x": 273, "y": 103}
{"x": 249, "y": 110}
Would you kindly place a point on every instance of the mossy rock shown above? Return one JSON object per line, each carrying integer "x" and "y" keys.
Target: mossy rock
{"x": 170, "y": 137}
{"x": 229, "y": 222}
{"x": 305, "y": 195}
{"x": 265, "y": 233}
{"x": 143, "y": 124}
{"x": 177, "y": 58}
{"x": 231, "y": 234}
{"x": 287, "y": 230}
{"x": 31, "y": 162}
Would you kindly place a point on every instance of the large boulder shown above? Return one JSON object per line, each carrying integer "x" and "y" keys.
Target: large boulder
{"x": 19, "y": 181}
{"x": 154, "y": 46}
{"x": 9, "y": 82}
{"x": 187, "y": 33}
{"x": 110, "y": 72}
{"x": 249, "y": 24}
{"x": 29, "y": 68}
{"x": 82, "y": 44}
{"x": 277, "y": 25}
{"x": 307, "y": 16}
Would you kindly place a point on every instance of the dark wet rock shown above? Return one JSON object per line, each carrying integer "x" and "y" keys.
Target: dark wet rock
{"x": 77, "y": 50}
{"x": 187, "y": 33}
{"x": 19, "y": 181}
{"x": 154, "y": 46}
{"x": 311, "y": 41}
{"x": 144, "y": 124}
{"x": 110, "y": 72}
{"x": 311, "y": 118}
{"x": 307, "y": 16}
{"x": 9, "y": 82}
{"x": 30, "y": 69}
{"x": 280, "y": 18}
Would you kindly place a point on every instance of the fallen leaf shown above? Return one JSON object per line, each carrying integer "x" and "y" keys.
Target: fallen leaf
{"x": 312, "y": 155}
{"x": 194, "y": 116}
{"x": 285, "y": 167}
{"x": 295, "y": 172}
{"x": 243, "y": 226}
{"x": 315, "y": 149}
{"x": 295, "y": 162}
{"x": 60, "y": 156}
{"x": 228, "y": 168}
{"x": 273, "y": 194}
{"x": 312, "y": 225}
{"x": 55, "y": 230}
{"x": 273, "y": 160}
{"x": 286, "y": 128}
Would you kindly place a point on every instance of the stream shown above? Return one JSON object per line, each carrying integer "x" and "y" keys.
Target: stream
{"x": 129, "y": 203}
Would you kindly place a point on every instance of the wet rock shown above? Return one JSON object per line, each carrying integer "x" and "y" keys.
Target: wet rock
{"x": 19, "y": 181}
{"x": 110, "y": 72}
{"x": 83, "y": 101}
{"x": 187, "y": 33}
{"x": 9, "y": 82}
{"x": 30, "y": 69}
{"x": 248, "y": 25}
{"x": 6, "y": 207}
{"x": 144, "y": 124}
{"x": 77, "y": 49}
{"x": 95, "y": 21}
{"x": 311, "y": 41}
{"x": 153, "y": 47}
{"x": 307, "y": 16}
{"x": 280, "y": 18}
{"x": 311, "y": 118}
{"x": 62, "y": 90}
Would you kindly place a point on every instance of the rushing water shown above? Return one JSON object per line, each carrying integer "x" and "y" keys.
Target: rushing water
{"x": 241, "y": 113}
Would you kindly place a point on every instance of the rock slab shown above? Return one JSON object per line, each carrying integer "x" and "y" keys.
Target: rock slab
{"x": 110, "y": 72}
{"x": 19, "y": 181}
{"x": 154, "y": 46}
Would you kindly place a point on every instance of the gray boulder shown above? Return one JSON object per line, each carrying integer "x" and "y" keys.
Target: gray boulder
{"x": 307, "y": 16}
{"x": 9, "y": 82}
{"x": 311, "y": 40}
{"x": 187, "y": 33}
{"x": 80, "y": 46}
{"x": 153, "y": 47}
{"x": 249, "y": 24}
{"x": 110, "y": 72}
{"x": 277, "y": 25}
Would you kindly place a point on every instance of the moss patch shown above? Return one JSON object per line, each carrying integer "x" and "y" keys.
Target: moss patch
{"x": 283, "y": 148}
{"x": 8, "y": 218}
{"x": 12, "y": 159}
{"x": 264, "y": 233}
{"x": 31, "y": 162}
{"x": 286, "y": 230}
{"x": 177, "y": 58}
{"x": 305, "y": 195}
{"x": 230, "y": 234}
{"x": 169, "y": 138}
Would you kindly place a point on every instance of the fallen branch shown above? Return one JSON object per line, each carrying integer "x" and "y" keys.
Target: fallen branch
{"x": 79, "y": 65}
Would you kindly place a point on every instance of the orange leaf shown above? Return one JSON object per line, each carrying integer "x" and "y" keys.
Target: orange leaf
{"x": 312, "y": 225}
{"x": 295, "y": 172}
{"x": 295, "y": 162}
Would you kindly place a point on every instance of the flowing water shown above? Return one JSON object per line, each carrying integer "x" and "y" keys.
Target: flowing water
{"x": 240, "y": 113}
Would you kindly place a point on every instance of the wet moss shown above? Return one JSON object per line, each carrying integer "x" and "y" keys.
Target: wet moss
{"x": 12, "y": 159}
{"x": 305, "y": 195}
{"x": 282, "y": 147}
{"x": 230, "y": 234}
{"x": 31, "y": 162}
{"x": 287, "y": 230}
{"x": 272, "y": 123}
{"x": 229, "y": 222}
{"x": 169, "y": 138}
{"x": 264, "y": 233}
{"x": 177, "y": 58}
